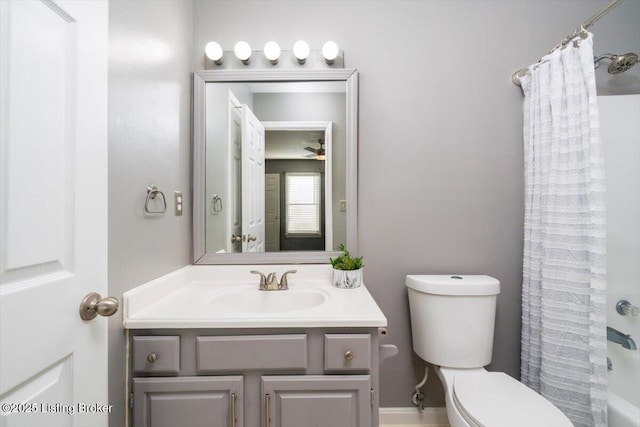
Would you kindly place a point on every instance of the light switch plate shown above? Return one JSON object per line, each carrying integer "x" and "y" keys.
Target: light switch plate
{"x": 177, "y": 203}
{"x": 343, "y": 205}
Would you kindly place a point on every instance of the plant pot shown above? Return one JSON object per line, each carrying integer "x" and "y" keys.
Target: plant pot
{"x": 347, "y": 279}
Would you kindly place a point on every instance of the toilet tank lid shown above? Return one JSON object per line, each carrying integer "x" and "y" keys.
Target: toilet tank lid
{"x": 453, "y": 284}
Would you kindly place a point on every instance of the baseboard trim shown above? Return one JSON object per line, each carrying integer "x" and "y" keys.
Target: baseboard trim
{"x": 413, "y": 417}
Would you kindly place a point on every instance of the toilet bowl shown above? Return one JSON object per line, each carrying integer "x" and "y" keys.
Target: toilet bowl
{"x": 478, "y": 398}
{"x": 452, "y": 323}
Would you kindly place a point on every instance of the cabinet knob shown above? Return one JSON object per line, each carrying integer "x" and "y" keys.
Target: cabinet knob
{"x": 348, "y": 355}
{"x": 152, "y": 357}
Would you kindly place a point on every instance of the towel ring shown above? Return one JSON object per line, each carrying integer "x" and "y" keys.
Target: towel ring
{"x": 216, "y": 204}
{"x": 152, "y": 192}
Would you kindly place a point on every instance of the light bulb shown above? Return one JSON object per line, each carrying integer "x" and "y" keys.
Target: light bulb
{"x": 214, "y": 52}
{"x": 272, "y": 52}
{"x": 330, "y": 51}
{"x": 301, "y": 51}
{"x": 242, "y": 51}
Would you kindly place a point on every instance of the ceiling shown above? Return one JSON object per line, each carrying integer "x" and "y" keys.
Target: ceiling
{"x": 283, "y": 144}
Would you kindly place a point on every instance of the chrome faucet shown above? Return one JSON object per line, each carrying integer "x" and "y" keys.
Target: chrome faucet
{"x": 618, "y": 337}
{"x": 270, "y": 282}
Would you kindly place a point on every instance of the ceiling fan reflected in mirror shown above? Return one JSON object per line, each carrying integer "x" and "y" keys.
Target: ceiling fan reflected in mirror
{"x": 318, "y": 153}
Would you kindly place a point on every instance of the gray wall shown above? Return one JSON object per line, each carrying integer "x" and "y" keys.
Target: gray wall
{"x": 149, "y": 143}
{"x": 440, "y": 156}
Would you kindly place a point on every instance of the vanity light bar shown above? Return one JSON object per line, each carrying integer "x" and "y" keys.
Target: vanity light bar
{"x": 272, "y": 52}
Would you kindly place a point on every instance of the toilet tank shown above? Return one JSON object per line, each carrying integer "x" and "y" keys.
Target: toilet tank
{"x": 453, "y": 318}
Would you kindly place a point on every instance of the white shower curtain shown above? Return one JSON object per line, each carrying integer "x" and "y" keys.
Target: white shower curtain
{"x": 564, "y": 266}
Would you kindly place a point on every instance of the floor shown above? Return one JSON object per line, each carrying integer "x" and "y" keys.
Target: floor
{"x": 414, "y": 425}
{"x": 413, "y": 417}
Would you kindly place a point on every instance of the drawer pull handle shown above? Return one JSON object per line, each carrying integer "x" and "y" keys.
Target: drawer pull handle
{"x": 267, "y": 417}
{"x": 348, "y": 355}
{"x": 233, "y": 409}
{"x": 152, "y": 357}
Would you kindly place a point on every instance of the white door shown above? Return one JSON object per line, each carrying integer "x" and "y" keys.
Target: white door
{"x": 53, "y": 199}
{"x": 252, "y": 182}
{"x": 234, "y": 174}
{"x": 272, "y": 212}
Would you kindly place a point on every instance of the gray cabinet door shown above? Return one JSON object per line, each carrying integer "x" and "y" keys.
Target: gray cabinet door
{"x": 188, "y": 402}
{"x": 316, "y": 401}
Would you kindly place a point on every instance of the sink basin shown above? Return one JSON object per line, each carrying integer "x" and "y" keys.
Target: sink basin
{"x": 254, "y": 301}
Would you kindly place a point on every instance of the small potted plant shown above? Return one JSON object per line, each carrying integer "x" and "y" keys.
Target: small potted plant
{"x": 347, "y": 270}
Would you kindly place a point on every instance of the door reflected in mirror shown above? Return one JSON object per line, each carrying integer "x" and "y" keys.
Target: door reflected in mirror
{"x": 275, "y": 165}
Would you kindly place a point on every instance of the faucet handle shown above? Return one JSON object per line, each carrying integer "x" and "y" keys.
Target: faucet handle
{"x": 272, "y": 279}
{"x": 625, "y": 308}
{"x": 284, "y": 284}
{"x": 263, "y": 279}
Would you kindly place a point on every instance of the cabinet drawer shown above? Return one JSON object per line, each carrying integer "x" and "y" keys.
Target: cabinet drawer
{"x": 347, "y": 352}
{"x": 245, "y": 352}
{"x": 158, "y": 355}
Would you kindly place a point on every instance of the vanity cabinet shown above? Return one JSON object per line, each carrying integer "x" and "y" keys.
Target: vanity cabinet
{"x": 254, "y": 377}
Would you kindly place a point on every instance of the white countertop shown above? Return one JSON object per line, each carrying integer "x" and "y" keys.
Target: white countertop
{"x": 185, "y": 299}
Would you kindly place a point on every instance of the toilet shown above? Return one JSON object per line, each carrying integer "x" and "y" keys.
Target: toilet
{"x": 452, "y": 322}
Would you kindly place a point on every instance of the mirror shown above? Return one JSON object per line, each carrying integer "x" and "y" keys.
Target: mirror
{"x": 275, "y": 177}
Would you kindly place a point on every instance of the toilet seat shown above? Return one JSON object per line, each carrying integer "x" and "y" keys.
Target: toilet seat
{"x": 494, "y": 399}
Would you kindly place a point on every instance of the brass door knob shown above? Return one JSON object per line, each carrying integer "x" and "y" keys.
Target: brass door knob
{"x": 252, "y": 238}
{"x": 236, "y": 239}
{"x": 348, "y": 355}
{"x": 93, "y": 304}
{"x": 152, "y": 357}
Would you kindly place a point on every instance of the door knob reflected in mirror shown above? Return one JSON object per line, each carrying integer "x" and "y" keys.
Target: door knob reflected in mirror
{"x": 93, "y": 304}
{"x": 236, "y": 239}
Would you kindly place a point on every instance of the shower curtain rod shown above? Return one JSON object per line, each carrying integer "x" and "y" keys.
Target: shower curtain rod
{"x": 515, "y": 77}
